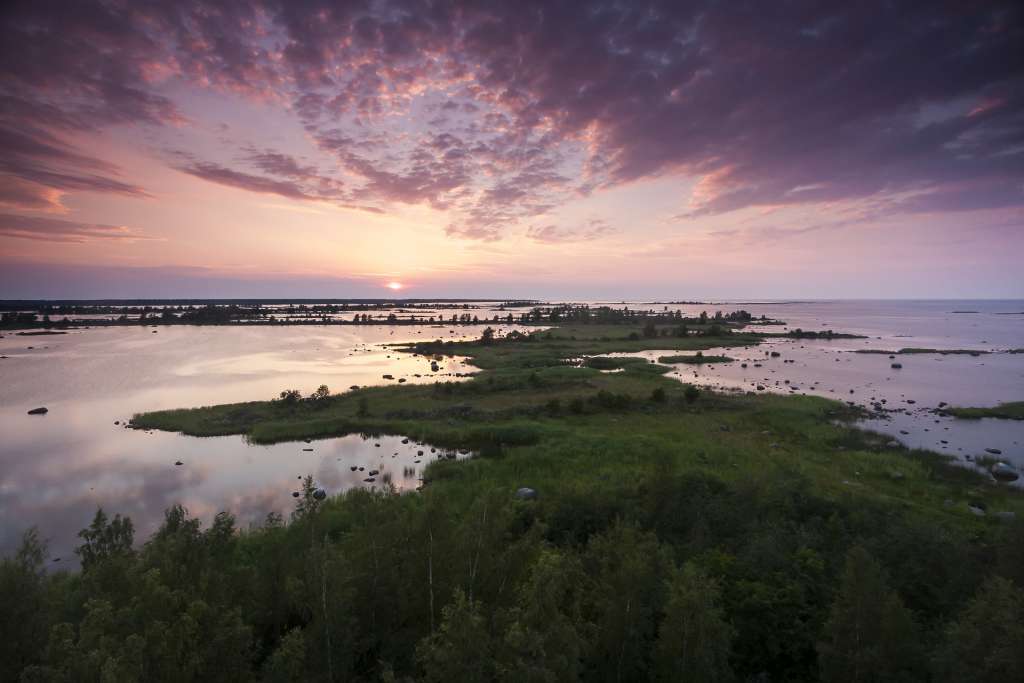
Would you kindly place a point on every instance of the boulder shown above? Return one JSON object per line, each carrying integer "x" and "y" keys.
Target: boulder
{"x": 1003, "y": 472}
{"x": 526, "y": 493}
{"x": 319, "y": 494}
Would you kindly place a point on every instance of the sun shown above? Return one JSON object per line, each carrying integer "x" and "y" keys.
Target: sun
{"x": 394, "y": 286}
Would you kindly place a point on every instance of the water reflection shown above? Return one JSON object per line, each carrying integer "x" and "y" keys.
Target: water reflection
{"x": 58, "y": 468}
{"x": 908, "y": 397}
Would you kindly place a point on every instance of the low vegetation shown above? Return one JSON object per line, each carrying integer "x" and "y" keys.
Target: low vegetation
{"x": 912, "y": 351}
{"x": 672, "y": 534}
{"x": 696, "y": 359}
{"x": 1014, "y": 410}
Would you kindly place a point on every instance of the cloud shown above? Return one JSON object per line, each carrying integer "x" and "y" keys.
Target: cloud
{"x": 55, "y": 230}
{"x": 222, "y": 175}
{"x": 276, "y": 163}
{"x": 22, "y": 194}
{"x": 553, "y": 234}
{"x": 497, "y": 112}
{"x": 38, "y": 167}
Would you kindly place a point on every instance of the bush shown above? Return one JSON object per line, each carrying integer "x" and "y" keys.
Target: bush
{"x": 611, "y": 401}
{"x": 658, "y": 395}
{"x": 691, "y": 393}
{"x": 290, "y": 396}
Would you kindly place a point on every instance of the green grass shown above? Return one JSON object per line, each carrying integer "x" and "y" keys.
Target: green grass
{"x": 1013, "y": 410}
{"x": 698, "y": 359}
{"x": 554, "y": 420}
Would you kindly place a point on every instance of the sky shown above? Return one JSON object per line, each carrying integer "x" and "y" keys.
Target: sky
{"x": 671, "y": 150}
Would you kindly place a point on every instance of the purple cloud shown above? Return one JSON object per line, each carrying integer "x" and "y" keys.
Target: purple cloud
{"x": 554, "y": 234}
{"x": 221, "y": 175}
{"x": 497, "y": 112}
{"x": 56, "y": 230}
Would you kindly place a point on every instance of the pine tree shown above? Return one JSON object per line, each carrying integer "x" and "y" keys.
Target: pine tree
{"x": 987, "y": 643}
{"x": 870, "y": 636}
{"x": 694, "y": 639}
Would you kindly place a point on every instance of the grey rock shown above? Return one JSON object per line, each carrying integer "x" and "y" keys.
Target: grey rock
{"x": 526, "y": 493}
{"x": 1004, "y": 472}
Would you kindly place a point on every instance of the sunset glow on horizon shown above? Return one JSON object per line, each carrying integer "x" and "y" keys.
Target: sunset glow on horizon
{"x": 649, "y": 149}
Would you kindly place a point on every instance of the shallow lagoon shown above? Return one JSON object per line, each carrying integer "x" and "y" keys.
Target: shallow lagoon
{"x": 57, "y": 468}
{"x": 833, "y": 368}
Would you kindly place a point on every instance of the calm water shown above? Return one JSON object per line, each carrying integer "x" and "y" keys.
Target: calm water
{"x": 56, "y": 469}
{"x": 909, "y": 395}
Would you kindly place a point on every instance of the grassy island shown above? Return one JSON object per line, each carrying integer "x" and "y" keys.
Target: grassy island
{"x": 913, "y": 351}
{"x": 696, "y": 359}
{"x": 1014, "y": 410}
{"x": 614, "y": 526}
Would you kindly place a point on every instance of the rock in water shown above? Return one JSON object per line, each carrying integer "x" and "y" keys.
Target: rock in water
{"x": 39, "y": 411}
{"x": 993, "y": 451}
{"x": 526, "y": 493}
{"x": 1004, "y": 472}
{"x": 896, "y": 366}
